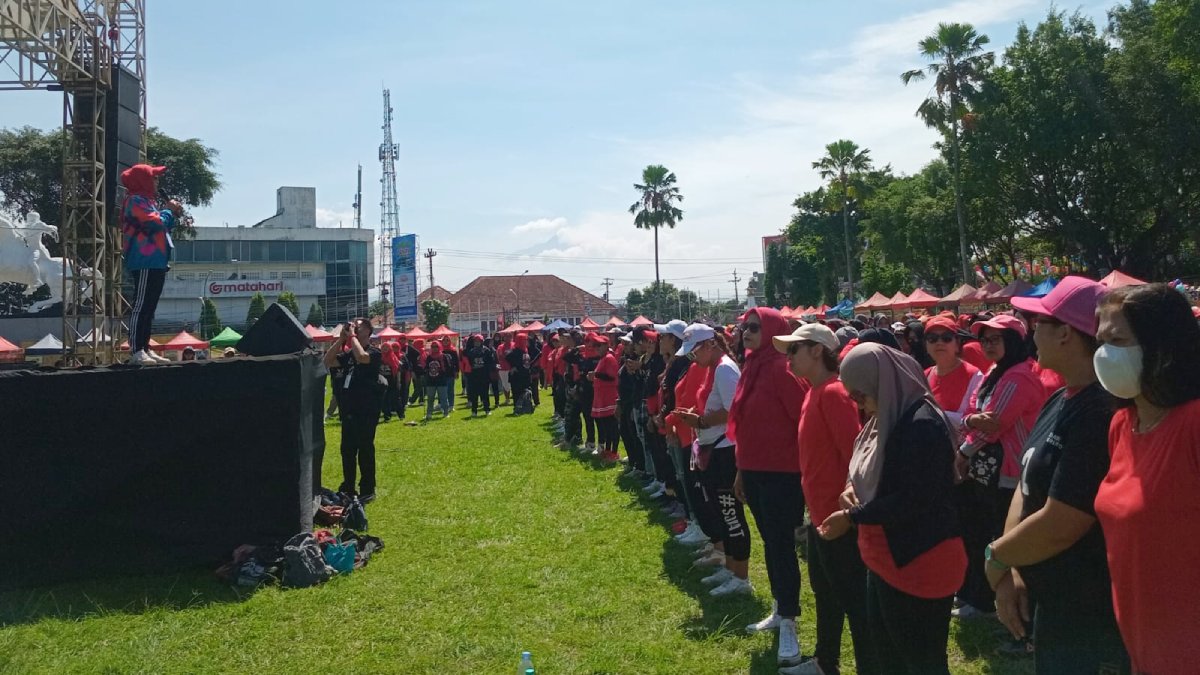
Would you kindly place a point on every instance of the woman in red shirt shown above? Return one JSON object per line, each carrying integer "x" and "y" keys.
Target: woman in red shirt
{"x": 828, "y": 426}
{"x": 900, "y": 498}
{"x": 1149, "y": 503}
{"x": 952, "y": 380}
{"x": 604, "y": 399}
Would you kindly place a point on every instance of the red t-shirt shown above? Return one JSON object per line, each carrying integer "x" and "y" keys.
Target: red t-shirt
{"x": 936, "y": 573}
{"x": 501, "y": 350}
{"x": 1149, "y": 509}
{"x": 828, "y": 427}
{"x": 951, "y": 389}
{"x": 604, "y": 399}
{"x": 1051, "y": 381}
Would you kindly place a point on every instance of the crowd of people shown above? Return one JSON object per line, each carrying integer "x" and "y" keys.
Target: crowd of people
{"x": 1034, "y": 466}
{"x": 1039, "y": 466}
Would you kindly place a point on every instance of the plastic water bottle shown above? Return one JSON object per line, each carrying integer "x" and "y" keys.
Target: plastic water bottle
{"x": 526, "y": 667}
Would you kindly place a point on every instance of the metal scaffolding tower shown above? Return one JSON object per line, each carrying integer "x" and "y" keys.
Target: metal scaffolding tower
{"x": 72, "y": 46}
{"x": 389, "y": 217}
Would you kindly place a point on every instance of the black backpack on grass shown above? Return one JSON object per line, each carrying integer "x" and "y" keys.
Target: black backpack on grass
{"x": 524, "y": 404}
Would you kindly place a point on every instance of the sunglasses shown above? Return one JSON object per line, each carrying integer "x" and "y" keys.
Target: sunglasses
{"x": 751, "y": 327}
{"x": 992, "y": 341}
{"x": 934, "y": 338}
{"x": 794, "y": 348}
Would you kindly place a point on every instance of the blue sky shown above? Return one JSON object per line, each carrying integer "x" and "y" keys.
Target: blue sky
{"x": 523, "y": 124}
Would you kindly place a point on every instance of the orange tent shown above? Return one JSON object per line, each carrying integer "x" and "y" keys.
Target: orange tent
{"x": 516, "y": 327}
{"x": 615, "y": 321}
{"x": 589, "y": 325}
{"x": 1117, "y": 279}
{"x": 319, "y": 335}
{"x": 641, "y": 321}
{"x": 921, "y": 299}
{"x": 985, "y": 291}
{"x": 534, "y": 327}
{"x": 896, "y": 301}
{"x": 416, "y": 332}
{"x": 184, "y": 340}
{"x": 443, "y": 331}
{"x": 877, "y": 301}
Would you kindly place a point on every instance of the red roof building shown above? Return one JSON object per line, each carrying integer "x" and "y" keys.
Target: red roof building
{"x": 488, "y": 304}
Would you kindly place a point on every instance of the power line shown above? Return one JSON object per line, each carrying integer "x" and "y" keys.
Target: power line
{"x": 430, "y": 255}
{"x": 457, "y": 253}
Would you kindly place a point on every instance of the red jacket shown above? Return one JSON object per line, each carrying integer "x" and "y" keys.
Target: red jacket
{"x": 766, "y": 408}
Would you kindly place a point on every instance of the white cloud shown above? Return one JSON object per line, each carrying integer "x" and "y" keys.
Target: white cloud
{"x": 540, "y": 225}
{"x": 334, "y": 218}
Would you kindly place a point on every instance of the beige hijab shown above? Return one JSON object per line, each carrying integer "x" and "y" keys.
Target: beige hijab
{"x": 896, "y": 382}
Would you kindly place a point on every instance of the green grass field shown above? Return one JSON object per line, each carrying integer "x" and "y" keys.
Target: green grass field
{"x": 496, "y": 543}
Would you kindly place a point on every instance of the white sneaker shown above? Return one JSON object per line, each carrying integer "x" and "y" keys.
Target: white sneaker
{"x": 589, "y": 445}
{"x": 157, "y": 357}
{"x": 735, "y": 586}
{"x": 769, "y": 623}
{"x": 809, "y": 667}
{"x": 689, "y": 531}
{"x": 697, "y": 539}
{"x": 141, "y": 358}
{"x": 969, "y": 612}
{"x": 789, "y": 646}
{"x": 714, "y": 559}
{"x": 705, "y": 549}
{"x": 717, "y": 578}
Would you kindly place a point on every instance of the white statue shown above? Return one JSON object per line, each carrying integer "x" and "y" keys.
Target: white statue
{"x": 24, "y": 259}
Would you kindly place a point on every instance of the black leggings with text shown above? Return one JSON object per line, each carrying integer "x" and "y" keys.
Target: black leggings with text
{"x": 730, "y": 527}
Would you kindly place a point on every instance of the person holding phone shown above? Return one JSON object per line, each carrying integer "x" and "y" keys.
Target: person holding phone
{"x": 358, "y": 403}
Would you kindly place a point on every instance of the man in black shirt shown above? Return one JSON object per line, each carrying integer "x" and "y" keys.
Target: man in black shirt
{"x": 482, "y": 360}
{"x": 358, "y": 402}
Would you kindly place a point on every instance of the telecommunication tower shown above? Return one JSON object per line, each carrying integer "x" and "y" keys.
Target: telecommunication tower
{"x": 389, "y": 218}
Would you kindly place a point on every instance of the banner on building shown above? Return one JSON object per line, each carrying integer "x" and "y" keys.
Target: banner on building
{"x": 404, "y": 277}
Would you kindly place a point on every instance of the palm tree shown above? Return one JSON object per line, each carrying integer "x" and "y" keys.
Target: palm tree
{"x": 656, "y": 207}
{"x": 958, "y": 64}
{"x": 843, "y": 163}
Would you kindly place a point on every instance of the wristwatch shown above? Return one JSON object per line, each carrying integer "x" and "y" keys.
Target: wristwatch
{"x": 990, "y": 557}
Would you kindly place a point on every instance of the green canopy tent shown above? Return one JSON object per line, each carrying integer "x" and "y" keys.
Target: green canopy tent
{"x": 226, "y": 338}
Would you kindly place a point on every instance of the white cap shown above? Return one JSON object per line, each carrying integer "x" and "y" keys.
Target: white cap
{"x": 694, "y": 335}
{"x": 674, "y": 327}
{"x": 813, "y": 332}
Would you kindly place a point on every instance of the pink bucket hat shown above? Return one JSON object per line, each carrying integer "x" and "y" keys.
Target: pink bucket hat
{"x": 1073, "y": 302}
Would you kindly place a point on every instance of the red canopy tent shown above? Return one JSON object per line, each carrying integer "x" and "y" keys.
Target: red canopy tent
{"x": 317, "y": 334}
{"x": 10, "y": 353}
{"x": 615, "y": 321}
{"x": 389, "y": 334}
{"x": 896, "y": 301}
{"x": 443, "y": 331}
{"x": 985, "y": 291}
{"x": 516, "y": 327}
{"x": 416, "y": 332}
{"x": 877, "y": 301}
{"x": 589, "y": 325}
{"x": 183, "y": 341}
{"x": 534, "y": 327}
{"x": 641, "y": 321}
{"x": 1117, "y": 279}
{"x": 786, "y": 311}
{"x": 920, "y": 299}
{"x": 964, "y": 293}
{"x": 154, "y": 344}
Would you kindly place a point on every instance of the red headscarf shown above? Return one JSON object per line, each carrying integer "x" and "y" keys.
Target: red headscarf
{"x": 521, "y": 341}
{"x": 762, "y": 365}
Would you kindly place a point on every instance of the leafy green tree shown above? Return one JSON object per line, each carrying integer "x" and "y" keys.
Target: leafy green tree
{"x": 381, "y": 308}
{"x": 435, "y": 312}
{"x": 906, "y": 225}
{"x": 656, "y": 205}
{"x": 843, "y": 164}
{"x": 31, "y": 171}
{"x": 287, "y": 299}
{"x": 316, "y": 315}
{"x": 258, "y": 305}
{"x": 958, "y": 63}
{"x": 210, "y": 323}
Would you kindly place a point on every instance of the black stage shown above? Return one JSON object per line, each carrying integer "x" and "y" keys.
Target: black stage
{"x": 144, "y": 470}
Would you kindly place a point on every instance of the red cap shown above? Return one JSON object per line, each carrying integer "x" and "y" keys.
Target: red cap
{"x": 1002, "y": 322}
{"x": 941, "y": 322}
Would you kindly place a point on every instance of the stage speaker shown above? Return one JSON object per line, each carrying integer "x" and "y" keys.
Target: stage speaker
{"x": 123, "y": 131}
{"x": 276, "y": 332}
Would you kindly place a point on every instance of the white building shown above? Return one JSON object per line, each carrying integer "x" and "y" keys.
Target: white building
{"x": 331, "y": 267}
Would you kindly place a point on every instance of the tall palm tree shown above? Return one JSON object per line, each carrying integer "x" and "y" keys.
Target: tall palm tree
{"x": 958, "y": 64}
{"x": 656, "y": 208}
{"x": 842, "y": 164}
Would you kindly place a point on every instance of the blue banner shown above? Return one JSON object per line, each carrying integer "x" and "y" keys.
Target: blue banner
{"x": 404, "y": 277}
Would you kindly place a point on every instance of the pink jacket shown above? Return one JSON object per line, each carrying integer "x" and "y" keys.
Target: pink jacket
{"x": 1016, "y": 401}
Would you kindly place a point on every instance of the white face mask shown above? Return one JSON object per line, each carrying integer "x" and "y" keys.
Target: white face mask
{"x": 1119, "y": 370}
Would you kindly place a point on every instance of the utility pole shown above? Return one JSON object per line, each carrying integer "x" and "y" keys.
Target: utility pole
{"x": 357, "y": 202}
{"x": 607, "y": 283}
{"x": 735, "y": 287}
{"x": 430, "y": 254}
